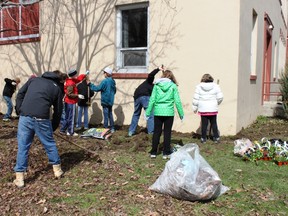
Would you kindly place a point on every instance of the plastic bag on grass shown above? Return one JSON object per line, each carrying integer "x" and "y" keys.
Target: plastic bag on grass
{"x": 241, "y": 146}
{"x": 188, "y": 176}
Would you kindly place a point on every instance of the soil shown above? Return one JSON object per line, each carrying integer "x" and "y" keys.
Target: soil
{"x": 30, "y": 201}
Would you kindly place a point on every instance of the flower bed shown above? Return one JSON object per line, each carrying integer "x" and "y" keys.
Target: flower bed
{"x": 265, "y": 149}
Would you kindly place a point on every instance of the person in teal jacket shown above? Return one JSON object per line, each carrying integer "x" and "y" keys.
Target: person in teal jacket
{"x": 108, "y": 90}
{"x": 164, "y": 97}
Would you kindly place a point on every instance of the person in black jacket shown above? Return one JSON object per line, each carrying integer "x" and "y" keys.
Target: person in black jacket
{"x": 8, "y": 91}
{"x": 33, "y": 103}
{"x": 83, "y": 104}
{"x": 141, "y": 100}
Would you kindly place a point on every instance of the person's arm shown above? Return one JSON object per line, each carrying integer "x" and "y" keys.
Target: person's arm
{"x": 80, "y": 78}
{"x": 195, "y": 100}
{"x": 178, "y": 103}
{"x": 98, "y": 88}
{"x": 10, "y": 81}
{"x": 70, "y": 93}
{"x": 57, "y": 110}
{"x": 219, "y": 95}
{"x": 151, "y": 75}
{"x": 20, "y": 96}
{"x": 151, "y": 102}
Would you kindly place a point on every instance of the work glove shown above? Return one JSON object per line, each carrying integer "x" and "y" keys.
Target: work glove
{"x": 80, "y": 96}
{"x": 14, "y": 83}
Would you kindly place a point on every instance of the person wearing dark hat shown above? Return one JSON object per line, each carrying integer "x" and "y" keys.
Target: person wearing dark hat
{"x": 107, "y": 87}
{"x": 8, "y": 91}
{"x": 70, "y": 101}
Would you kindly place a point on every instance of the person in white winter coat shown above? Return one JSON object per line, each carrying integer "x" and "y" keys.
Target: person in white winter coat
{"x": 207, "y": 97}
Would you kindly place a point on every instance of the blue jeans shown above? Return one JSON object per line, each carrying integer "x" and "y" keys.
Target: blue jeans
{"x": 63, "y": 114}
{"x": 68, "y": 123}
{"x": 82, "y": 109}
{"x": 108, "y": 117}
{"x": 27, "y": 128}
{"x": 139, "y": 103}
{"x": 9, "y": 107}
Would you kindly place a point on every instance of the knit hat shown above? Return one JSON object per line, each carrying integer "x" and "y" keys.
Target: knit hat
{"x": 72, "y": 72}
{"x": 108, "y": 70}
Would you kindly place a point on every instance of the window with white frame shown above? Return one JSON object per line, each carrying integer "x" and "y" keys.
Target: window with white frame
{"x": 132, "y": 38}
{"x": 19, "y": 21}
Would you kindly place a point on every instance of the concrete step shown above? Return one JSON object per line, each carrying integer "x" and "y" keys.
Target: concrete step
{"x": 273, "y": 109}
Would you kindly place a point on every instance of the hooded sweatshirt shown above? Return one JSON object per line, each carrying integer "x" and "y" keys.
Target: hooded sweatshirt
{"x": 37, "y": 95}
{"x": 207, "y": 97}
{"x": 164, "y": 97}
{"x": 107, "y": 87}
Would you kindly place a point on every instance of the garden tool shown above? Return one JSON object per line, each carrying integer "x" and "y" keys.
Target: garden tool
{"x": 93, "y": 153}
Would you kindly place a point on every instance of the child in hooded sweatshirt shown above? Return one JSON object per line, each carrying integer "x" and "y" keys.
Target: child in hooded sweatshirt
{"x": 164, "y": 97}
{"x": 107, "y": 87}
{"x": 206, "y": 99}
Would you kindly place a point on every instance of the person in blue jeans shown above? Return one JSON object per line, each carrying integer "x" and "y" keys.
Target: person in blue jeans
{"x": 107, "y": 87}
{"x": 8, "y": 91}
{"x": 83, "y": 104}
{"x": 45, "y": 91}
{"x": 141, "y": 100}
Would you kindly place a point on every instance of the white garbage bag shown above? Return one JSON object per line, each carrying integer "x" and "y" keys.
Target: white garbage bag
{"x": 187, "y": 176}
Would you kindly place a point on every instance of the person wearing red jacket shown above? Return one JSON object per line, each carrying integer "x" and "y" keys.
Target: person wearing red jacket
{"x": 70, "y": 101}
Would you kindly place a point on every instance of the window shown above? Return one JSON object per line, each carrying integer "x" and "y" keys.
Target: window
{"x": 253, "y": 46}
{"x": 19, "y": 21}
{"x": 132, "y": 38}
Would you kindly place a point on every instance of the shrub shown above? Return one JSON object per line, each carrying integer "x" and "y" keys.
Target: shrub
{"x": 284, "y": 89}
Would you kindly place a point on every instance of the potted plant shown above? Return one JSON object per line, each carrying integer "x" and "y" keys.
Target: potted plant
{"x": 271, "y": 152}
{"x": 256, "y": 155}
{"x": 280, "y": 160}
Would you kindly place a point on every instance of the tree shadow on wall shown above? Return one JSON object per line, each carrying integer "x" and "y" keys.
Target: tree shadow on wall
{"x": 97, "y": 115}
{"x": 119, "y": 120}
{"x": 86, "y": 20}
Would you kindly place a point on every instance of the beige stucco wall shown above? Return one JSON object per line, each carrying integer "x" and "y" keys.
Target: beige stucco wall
{"x": 249, "y": 104}
{"x": 203, "y": 45}
{"x": 189, "y": 37}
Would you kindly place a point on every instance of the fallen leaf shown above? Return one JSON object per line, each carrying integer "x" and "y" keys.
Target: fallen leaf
{"x": 140, "y": 196}
{"x": 125, "y": 183}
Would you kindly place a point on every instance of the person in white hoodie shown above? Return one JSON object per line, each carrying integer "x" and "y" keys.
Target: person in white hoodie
{"x": 207, "y": 97}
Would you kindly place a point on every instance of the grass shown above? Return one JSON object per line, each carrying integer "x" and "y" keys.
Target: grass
{"x": 254, "y": 188}
{"x": 119, "y": 185}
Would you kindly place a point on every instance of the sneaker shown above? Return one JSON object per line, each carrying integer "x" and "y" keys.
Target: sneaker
{"x": 78, "y": 128}
{"x": 130, "y": 134}
{"x": 74, "y": 134}
{"x": 165, "y": 157}
{"x": 6, "y": 120}
{"x": 216, "y": 140}
{"x": 86, "y": 128}
{"x": 112, "y": 131}
{"x": 153, "y": 156}
{"x": 62, "y": 132}
{"x": 203, "y": 141}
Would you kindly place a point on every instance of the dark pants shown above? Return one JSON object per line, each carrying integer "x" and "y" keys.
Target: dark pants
{"x": 159, "y": 121}
{"x": 204, "y": 124}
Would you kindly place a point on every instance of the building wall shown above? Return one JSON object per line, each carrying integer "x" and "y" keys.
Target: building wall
{"x": 250, "y": 91}
{"x": 189, "y": 37}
